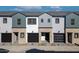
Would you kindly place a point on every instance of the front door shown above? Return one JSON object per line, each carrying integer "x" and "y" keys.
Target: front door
{"x": 16, "y": 37}
{"x": 46, "y": 34}
{"x": 70, "y": 37}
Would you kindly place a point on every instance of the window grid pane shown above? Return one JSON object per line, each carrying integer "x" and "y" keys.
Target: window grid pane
{"x": 31, "y": 21}
{"x": 57, "y": 20}
{"x": 42, "y": 20}
{"x": 18, "y": 21}
{"x": 4, "y": 20}
{"x": 49, "y": 20}
{"x": 72, "y": 21}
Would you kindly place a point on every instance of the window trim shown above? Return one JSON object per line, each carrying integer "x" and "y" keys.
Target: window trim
{"x": 42, "y": 20}
{"x": 4, "y": 20}
{"x": 49, "y": 20}
{"x": 76, "y": 35}
{"x": 33, "y": 21}
{"x": 19, "y": 21}
{"x": 22, "y": 35}
{"x": 72, "y": 21}
{"x": 57, "y": 20}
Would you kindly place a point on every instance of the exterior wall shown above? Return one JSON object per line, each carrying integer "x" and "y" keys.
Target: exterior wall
{"x": 20, "y": 40}
{"x": 58, "y": 28}
{"x": 18, "y": 16}
{"x": 73, "y": 30}
{"x": 45, "y": 18}
{"x": 68, "y": 20}
{"x": 32, "y": 28}
{"x": 5, "y": 28}
{"x": 45, "y": 30}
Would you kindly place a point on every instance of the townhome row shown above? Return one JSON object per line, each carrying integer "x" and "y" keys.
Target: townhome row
{"x": 38, "y": 27}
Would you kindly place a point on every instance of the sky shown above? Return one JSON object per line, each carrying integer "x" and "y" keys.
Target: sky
{"x": 39, "y": 8}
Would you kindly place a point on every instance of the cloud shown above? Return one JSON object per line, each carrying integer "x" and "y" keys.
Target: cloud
{"x": 26, "y": 8}
{"x": 56, "y": 8}
{"x": 17, "y": 9}
{"x": 30, "y": 8}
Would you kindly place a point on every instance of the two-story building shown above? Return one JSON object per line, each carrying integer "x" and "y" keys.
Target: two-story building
{"x": 58, "y": 25}
{"x": 45, "y": 28}
{"x": 72, "y": 28}
{"x": 6, "y": 27}
{"x": 32, "y": 30}
{"x": 19, "y": 28}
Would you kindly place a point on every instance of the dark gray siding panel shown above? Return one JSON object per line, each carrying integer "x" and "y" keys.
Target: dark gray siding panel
{"x": 19, "y": 16}
{"x": 68, "y": 21}
{"x": 45, "y": 18}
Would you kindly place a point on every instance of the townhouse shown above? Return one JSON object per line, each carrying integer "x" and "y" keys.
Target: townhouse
{"x": 6, "y": 27}
{"x": 72, "y": 28}
{"x": 32, "y": 30}
{"x": 19, "y": 28}
{"x": 38, "y": 27}
{"x": 45, "y": 28}
{"x": 58, "y": 26}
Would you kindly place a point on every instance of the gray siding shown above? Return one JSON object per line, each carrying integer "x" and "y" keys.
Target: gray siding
{"x": 19, "y": 16}
{"x": 68, "y": 21}
{"x": 45, "y": 18}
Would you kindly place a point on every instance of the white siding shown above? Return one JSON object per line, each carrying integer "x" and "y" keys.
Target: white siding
{"x": 5, "y": 27}
{"x": 58, "y": 28}
{"x": 32, "y": 28}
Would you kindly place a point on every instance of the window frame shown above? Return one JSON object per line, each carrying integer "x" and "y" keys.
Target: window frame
{"x": 72, "y": 21}
{"x": 42, "y": 20}
{"x": 49, "y": 20}
{"x": 4, "y": 20}
{"x": 19, "y": 21}
{"x": 22, "y": 35}
{"x": 32, "y": 21}
{"x": 57, "y": 20}
{"x": 76, "y": 35}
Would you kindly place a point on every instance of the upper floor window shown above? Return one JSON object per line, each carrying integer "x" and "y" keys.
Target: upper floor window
{"x": 57, "y": 20}
{"x": 72, "y": 21}
{"x": 4, "y": 20}
{"x": 42, "y": 20}
{"x": 18, "y": 21}
{"x": 49, "y": 20}
{"x": 31, "y": 20}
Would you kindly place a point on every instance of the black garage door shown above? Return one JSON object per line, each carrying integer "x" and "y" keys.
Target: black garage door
{"x": 33, "y": 37}
{"x": 6, "y": 37}
{"x": 59, "y": 37}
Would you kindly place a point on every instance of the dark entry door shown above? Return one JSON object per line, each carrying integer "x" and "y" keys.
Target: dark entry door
{"x": 6, "y": 37}
{"x": 33, "y": 37}
{"x": 70, "y": 37}
{"x": 16, "y": 34}
{"x": 46, "y": 34}
{"x": 59, "y": 37}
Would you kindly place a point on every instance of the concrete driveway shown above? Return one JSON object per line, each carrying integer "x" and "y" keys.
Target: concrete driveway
{"x": 23, "y": 48}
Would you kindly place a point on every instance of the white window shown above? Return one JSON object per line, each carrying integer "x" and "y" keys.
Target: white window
{"x": 31, "y": 21}
{"x": 4, "y": 20}
{"x": 57, "y": 21}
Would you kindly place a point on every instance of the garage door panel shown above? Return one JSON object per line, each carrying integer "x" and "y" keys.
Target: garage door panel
{"x": 6, "y": 37}
{"x": 59, "y": 37}
{"x": 33, "y": 37}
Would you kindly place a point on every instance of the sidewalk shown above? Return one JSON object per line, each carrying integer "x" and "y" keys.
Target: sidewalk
{"x": 23, "y": 48}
